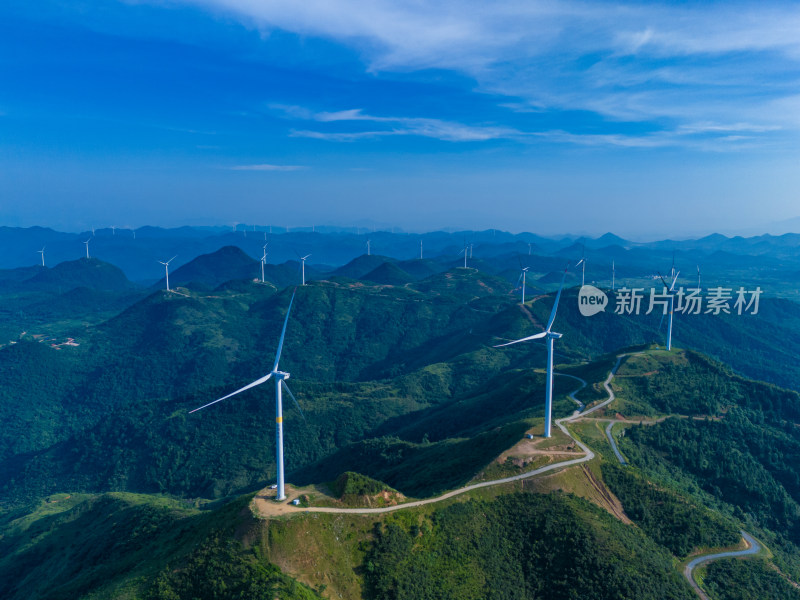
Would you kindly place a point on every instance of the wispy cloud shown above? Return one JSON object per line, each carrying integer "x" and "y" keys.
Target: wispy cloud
{"x": 448, "y": 131}
{"x": 267, "y": 167}
{"x": 644, "y": 61}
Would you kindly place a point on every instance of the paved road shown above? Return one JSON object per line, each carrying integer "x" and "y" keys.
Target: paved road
{"x": 753, "y": 548}
{"x": 588, "y": 455}
{"x": 613, "y": 443}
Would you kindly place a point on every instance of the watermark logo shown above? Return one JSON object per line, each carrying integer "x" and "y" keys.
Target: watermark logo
{"x": 690, "y": 301}
{"x": 591, "y": 300}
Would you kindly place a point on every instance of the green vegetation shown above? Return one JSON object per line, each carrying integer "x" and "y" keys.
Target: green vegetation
{"x": 667, "y": 517}
{"x": 747, "y": 579}
{"x": 356, "y": 484}
{"x": 518, "y": 546}
{"x": 221, "y": 569}
{"x": 135, "y": 546}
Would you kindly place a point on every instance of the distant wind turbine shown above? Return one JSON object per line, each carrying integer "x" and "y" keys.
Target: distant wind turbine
{"x": 113, "y": 230}
{"x": 613, "y": 275}
{"x": 368, "y": 248}
{"x": 529, "y": 248}
{"x": 582, "y": 263}
{"x": 303, "y": 265}
{"x": 465, "y": 250}
{"x": 670, "y": 291}
{"x": 698, "y": 277}
{"x": 166, "y": 268}
{"x": 672, "y": 271}
{"x": 42, "y": 253}
{"x": 87, "y": 248}
{"x": 522, "y": 279}
{"x": 420, "y": 249}
{"x": 263, "y": 261}
{"x": 280, "y": 383}
{"x": 550, "y": 336}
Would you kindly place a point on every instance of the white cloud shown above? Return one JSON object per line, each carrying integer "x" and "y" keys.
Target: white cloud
{"x": 419, "y": 126}
{"x": 659, "y": 62}
{"x": 267, "y": 167}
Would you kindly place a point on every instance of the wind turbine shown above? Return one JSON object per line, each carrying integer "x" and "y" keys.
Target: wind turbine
{"x": 42, "y": 253}
{"x": 672, "y": 271}
{"x": 698, "y": 277}
{"x": 113, "y": 230}
{"x": 303, "y": 265}
{"x": 550, "y": 336}
{"x": 263, "y": 261}
{"x": 522, "y": 278}
{"x": 420, "y": 249}
{"x": 166, "y": 268}
{"x": 465, "y": 250}
{"x": 582, "y": 263}
{"x": 670, "y": 289}
{"x": 280, "y": 382}
{"x": 613, "y": 275}
{"x": 368, "y": 248}
{"x": 87, "y": 248}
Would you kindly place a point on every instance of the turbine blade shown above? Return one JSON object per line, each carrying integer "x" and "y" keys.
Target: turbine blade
{"x": 283, "y": 333}
{"x": 672, "y": 287}
{"x": 291, "y": 395}
{"x": 555, "y": 304}
{"x": 518, "y": 280}
{"x": 530, "y": 337}
{"x": 247, "y": 387}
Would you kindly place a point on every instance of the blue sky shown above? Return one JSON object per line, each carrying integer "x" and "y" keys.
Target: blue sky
{"x": 640, "y": 118}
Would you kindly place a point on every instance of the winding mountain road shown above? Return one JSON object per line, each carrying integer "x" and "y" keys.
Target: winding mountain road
{"x": 613, "y": 443}
{"x": 753, "y": 548}
{"x": 588, "y": 455}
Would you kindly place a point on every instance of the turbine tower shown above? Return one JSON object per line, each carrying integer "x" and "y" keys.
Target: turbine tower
{"x": 582, "y": 263}
{"x": 522, "y": 279}
{"x": 166, "y": 268}
{"x": 698, "y": 277}
{"x": 550, "y": 336}
{"x": 42, "y": 253}
{"x": 303, "y": 266}
{"x": 671, "y": 293}
{"x": 87, "y": 248}
{"x": 613, "y": 275}
{"x": 420, "y": 249}
{"x": 465, "y": 250}
{"x": 263, "y": 261}
{"x": 280, "y": 382}
{"x": 368, "y": 249}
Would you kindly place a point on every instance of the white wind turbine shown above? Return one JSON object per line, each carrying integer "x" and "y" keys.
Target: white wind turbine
{"x": 368, "y": 248}
{"x": 582, "y": 263}
{"x": 465, "y": 250}
{"x": 420, "y": 249}
{"x": 303, "y": 265}
{"x": 42, "y": 253}
{"x": 613, "y": 275}
{"x": 670, "y": 291}
{"x": 522, "y": 279}
{"x": 698, "y": 278}
{"x": 263, "y": 261}
{"x": 280, "y": 382}
{"x": 87, "y": 248}
{"x": 550, "y": 336}
{"x": 166, "y": 268}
